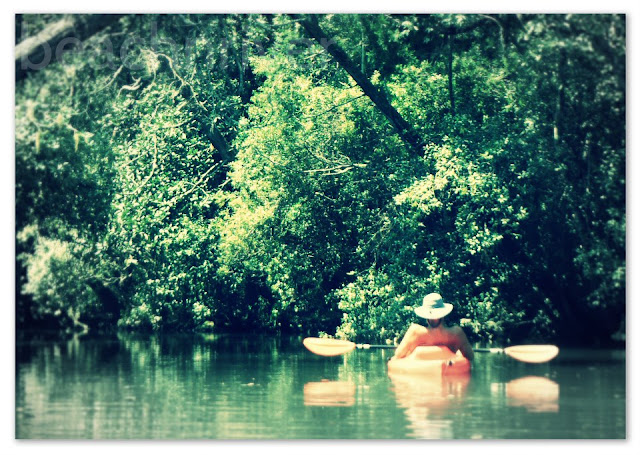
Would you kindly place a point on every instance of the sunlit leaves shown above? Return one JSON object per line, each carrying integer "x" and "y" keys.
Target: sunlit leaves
{"x": 319, "y": 217}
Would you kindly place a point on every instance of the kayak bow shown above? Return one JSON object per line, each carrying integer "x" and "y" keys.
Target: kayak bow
{"x": 431, "y": 361}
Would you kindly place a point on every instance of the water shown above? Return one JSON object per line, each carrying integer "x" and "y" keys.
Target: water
{"x": 229, "y": 387}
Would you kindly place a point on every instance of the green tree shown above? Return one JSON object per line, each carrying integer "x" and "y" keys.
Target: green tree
{"x": 322, "y": 173}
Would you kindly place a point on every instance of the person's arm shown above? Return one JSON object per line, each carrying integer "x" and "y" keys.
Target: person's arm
{"x": 410, "y": 340}
{"x": 463, "y": 343}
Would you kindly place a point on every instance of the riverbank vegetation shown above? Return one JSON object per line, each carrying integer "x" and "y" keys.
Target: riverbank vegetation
{"x": 321, "y": 173}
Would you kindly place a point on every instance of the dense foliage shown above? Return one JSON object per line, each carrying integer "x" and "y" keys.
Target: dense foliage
{"x": 225, "y": 172}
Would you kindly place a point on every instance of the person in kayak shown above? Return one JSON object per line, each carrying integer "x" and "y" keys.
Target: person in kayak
{"x": 434, "y": 310}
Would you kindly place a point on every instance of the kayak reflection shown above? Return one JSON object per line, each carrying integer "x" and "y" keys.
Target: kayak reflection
{"x": 329, "y": 393}
{"x": 427, "y": 399}
{"x": 437, "y": 392}
{"x": 535, "y": 393}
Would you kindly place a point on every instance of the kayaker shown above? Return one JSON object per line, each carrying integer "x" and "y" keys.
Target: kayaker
{"x": 434, "y": 310}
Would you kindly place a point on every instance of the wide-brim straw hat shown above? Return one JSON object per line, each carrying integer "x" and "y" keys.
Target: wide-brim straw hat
{"x": 433, "y": 307}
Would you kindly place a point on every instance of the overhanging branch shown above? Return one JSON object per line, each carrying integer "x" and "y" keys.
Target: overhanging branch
{"x": 36, "y": 52}
{"x": 402, "y": 127}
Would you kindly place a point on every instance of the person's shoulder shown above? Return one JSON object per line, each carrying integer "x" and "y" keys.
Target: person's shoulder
{"x": 455, "y": 329}
{"x": 457, "y": 334}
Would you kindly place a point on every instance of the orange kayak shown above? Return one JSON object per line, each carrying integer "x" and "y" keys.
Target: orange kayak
{"x": 432, "y": 361}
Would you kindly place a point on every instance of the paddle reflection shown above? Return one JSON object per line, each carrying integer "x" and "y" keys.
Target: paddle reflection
{"x": 329, "y": 393}
{"x": 427, "y": 399}
{"x": 535, "y": 393}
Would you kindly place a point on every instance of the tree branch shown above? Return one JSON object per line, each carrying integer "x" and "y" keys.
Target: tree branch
{"x": 38, "y": 51}
{"x": 210, "y": 130}
{"x": 378, "y": 97}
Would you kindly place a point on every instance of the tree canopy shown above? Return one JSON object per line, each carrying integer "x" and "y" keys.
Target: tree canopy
{"x": 321, "y": 173}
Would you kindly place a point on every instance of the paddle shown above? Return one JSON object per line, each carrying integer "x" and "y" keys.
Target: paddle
{"x": 532, "y": 353}
{"x": 329, "y": 347}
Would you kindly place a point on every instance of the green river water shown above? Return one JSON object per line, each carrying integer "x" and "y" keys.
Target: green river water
{"x": 231, "y": 387}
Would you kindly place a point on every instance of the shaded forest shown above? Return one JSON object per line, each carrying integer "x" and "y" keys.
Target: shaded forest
{"x": 316, "y": 174}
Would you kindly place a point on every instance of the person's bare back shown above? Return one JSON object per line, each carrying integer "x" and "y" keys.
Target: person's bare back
{"x": 434, "y": 310}
{"x": 452, "y": 337}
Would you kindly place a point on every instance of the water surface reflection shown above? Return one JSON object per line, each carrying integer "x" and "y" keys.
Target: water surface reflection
{"x": 535, "y": 393}
{"x": 238, "y": 387}
{"x": 427, "y": 402}
{"x": 330, "y": 393}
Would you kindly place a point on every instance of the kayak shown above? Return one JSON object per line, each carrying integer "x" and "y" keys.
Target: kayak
{"x": 431, "y": 361}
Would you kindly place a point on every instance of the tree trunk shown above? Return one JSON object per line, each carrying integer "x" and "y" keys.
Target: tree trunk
{"x": 378, "y": 97}
{"x": 36, "y": 52}
{"x": 18, "y": 28}
{"x": 215, "y": 137}
{"x": 452, "y": 98}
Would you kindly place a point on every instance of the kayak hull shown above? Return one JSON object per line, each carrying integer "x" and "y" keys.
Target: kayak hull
{"x": 434, "y": 361}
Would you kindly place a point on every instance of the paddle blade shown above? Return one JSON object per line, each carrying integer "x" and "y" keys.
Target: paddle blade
{"x": 533, "y": 353}
{"x": 327, "y": 346}
{"x": 329, "y": 393}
